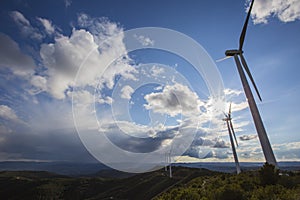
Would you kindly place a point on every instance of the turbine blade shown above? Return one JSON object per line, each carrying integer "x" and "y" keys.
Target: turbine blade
{"x": 243, "y": 34}
{"x": 228, "y": 127}
{"x": 250, "y": 76}
{"x": 229, "y": 112}
{"x": 225, "y": 58}
{"x": 232, "y": 130}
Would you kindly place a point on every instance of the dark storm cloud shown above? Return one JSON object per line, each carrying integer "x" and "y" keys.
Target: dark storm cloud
{"x": 247, "y": 137}
{"x": 221, "y": 144}
{"x": 139, "y": 145}
{"x": 56, "y": 145}
{"x": 12, "y": 57}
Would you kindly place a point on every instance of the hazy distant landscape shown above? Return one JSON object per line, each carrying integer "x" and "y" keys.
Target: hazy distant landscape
{"x": 79, "y": 169}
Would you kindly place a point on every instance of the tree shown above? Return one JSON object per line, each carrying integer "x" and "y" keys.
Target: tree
{"x": 230, "y": 191}
{"x": 268, "y": 174}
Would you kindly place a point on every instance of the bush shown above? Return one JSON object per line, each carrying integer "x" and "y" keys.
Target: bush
{"x": 268, "y": 174}
{"x": 271, "y": 192}
{"x": 231, "y": 192}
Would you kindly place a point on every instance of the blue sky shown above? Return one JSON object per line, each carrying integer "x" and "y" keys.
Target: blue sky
{"x": 43, "y": 45}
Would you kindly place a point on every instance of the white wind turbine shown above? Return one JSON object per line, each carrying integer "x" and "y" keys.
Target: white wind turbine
{"x": 238, "y": 56}
{"x": 231, "y": 136}
{"x": 168, "y": 162}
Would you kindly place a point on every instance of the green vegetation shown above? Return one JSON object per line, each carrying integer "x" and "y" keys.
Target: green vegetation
{"x": 44, "y": 185}
{"x": 186, "y": 184}
{"x": 265, "y": 184}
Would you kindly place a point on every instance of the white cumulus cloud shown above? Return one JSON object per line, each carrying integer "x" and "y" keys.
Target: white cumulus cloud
{"x": 126, "y": 92}
{"x": 47, "y": 25}
{"x": 8, "y": 113}
{"x": 39, "y": 83}
{"x": 173, "y": 100}
{"x": 284, "y": 10}
{"x": 232, "y": 92}
{"x": 63, "y": 59}
{"x": 94, "y": 49}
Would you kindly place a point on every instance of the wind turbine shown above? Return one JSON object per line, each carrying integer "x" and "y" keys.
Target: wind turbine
{"x": 231, "y": 132}
{"x": 168, "y": 162}
{"x": 238, "y": 55}
{"x": 170, "y": 165}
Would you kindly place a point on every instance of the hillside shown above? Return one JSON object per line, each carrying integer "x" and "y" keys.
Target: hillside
{"x": 187, "y": 183}
{"x": 266, "y": 183}
{"x": 44, "y": 185}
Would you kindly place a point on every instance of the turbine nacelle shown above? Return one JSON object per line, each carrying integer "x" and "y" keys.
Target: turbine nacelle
{"x": 233, "y": 52}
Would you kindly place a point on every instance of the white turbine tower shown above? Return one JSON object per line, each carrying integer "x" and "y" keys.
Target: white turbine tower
{"x": 232, "y": 133}
{"x": 168, "y": 163}
{"x": 238, "y": 55}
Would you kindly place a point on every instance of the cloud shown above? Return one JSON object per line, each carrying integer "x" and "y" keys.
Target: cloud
{"x": 13, "y": 58}
{"x": 85, "y": 97}
{"x": 51, "y": 145}
{"x": 156, "y": 71}
{"x": 289, "y": 151}
{"x": 25, "y": 27}
{"x": 247, "y": 137}
{"x": 63, "y": 58}
{"x": 102, "y": 29}
{"x": 145, "y": 41}
{"x": 284, "y": 10}
{"x": 126, "y": 92}
{"x": 47, "y": 25}
{"x": 39, "y": 84}
{"x": 92, "y": 50}
{"x": 67, "y": 3}
{"x": 232, "y": 92}
{"x": 221, "y": 144}
{"x": 235, "y": 107}
{"x": 201, "y": 141}
{"x": 207, "y": 154}
{"x": 8, "y": 113}
{"x": 105, "y": 100}
{"x": 173, "y": 100}
{"x": 138, "y": 138}
{"x": 239, "y": 106}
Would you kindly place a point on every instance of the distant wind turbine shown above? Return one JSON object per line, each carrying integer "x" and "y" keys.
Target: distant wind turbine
{"x": 231, "y": 132}
{"x": 238, "y": 54}
{"x": 168, "y": 162}
{"x": 170, "y": 165}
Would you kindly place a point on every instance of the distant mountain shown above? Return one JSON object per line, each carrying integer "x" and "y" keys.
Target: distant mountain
{"x": 30, "y": 174}
{"x": 101, "y": 170}
{"x": 63, "y": 168}
{"x": 229, "y": 167}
